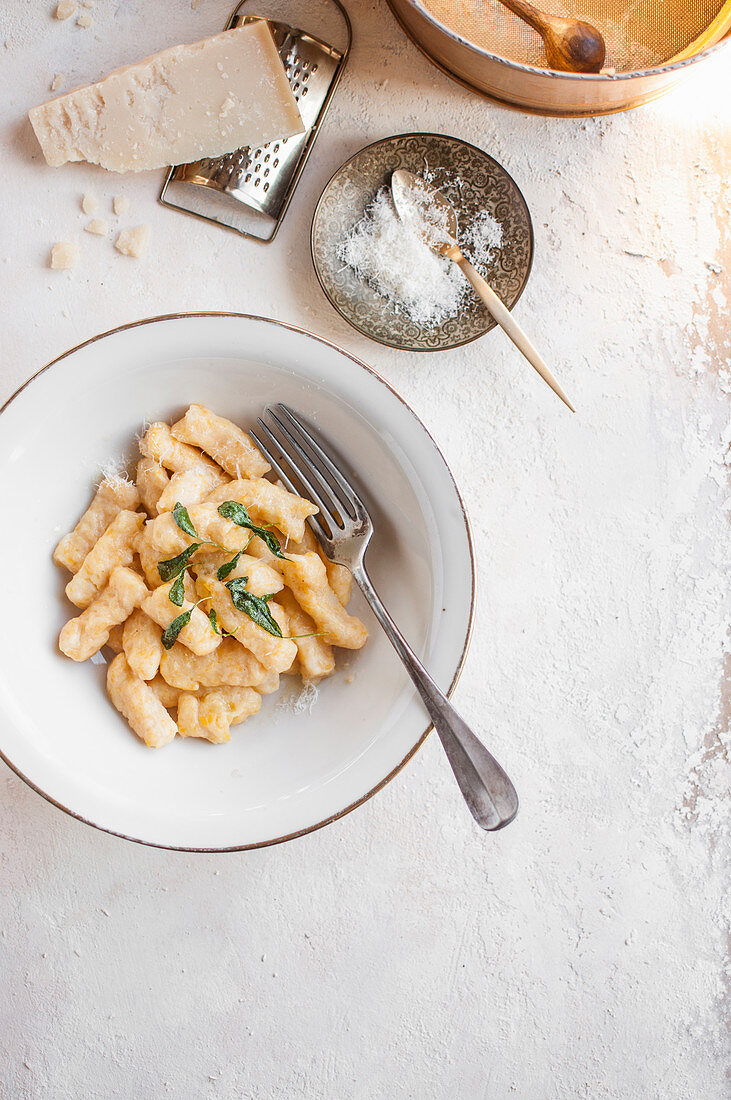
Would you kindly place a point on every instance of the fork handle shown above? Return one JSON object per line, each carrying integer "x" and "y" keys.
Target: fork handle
{"x": 491, "y": 797}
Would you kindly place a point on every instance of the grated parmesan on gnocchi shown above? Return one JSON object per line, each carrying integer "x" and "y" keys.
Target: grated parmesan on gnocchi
{"x": 205, "y": 581}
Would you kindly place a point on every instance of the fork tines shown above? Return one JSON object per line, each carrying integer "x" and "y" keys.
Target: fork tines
{"x": 319, "y": 478}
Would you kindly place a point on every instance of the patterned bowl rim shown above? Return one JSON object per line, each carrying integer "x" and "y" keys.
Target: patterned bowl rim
{"x": 399, "y": 345}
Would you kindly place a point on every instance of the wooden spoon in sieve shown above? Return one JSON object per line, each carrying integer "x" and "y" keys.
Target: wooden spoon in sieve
{"x": 572, "y": 46}
{"x": 433, "y": 217}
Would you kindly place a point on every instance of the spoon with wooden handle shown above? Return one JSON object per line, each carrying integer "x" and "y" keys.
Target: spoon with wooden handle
{"x": 432, "y": 216}
{"x": 572, "y": 46}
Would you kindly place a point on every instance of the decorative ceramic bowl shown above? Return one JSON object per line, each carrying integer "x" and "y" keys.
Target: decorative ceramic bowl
{"x": 484, "y": 186}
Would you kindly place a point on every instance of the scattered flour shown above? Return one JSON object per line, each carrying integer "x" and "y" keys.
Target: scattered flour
{"x": 576, "y": 954}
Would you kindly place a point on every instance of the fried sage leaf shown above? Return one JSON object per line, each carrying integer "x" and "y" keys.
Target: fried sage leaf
{"x": 228, "y": 567}
{"x": 272, "y": 542}
{"x": 170, "y": 636}
{"x": 176, "y": 594}
{"x": 183, "y": 520}
{"x": 253, "y": 606}
{"x": 238, "y": 514}
{"x": 173, "y": 566}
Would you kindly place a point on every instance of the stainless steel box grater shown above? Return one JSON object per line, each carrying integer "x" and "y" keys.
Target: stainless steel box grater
{"x": 249, "y": 190}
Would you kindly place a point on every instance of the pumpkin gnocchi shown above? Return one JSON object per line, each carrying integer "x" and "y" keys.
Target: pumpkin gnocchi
{"x": 204, "y": 579}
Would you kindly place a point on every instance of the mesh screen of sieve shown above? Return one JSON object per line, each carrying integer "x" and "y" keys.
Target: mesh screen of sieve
{"x": 640, "y": 34}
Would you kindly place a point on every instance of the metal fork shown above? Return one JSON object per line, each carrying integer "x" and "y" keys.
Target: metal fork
{"x": 344, "y": 529}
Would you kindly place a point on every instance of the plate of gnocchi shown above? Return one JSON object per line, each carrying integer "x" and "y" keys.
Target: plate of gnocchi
{"x": 185, "y": 667}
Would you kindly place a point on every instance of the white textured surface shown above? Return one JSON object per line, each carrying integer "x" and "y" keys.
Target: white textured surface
{"x": 400, "y": 953}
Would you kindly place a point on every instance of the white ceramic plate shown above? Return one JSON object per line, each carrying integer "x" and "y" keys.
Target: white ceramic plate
{"x": 286, "y": 771}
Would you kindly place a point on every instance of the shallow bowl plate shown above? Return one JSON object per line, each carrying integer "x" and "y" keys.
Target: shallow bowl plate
{"x": 473, "y": 182}
{"x": 297, "y": 765}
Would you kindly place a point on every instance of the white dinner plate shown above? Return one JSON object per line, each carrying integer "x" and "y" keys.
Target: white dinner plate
{"x": 299, "y": 763}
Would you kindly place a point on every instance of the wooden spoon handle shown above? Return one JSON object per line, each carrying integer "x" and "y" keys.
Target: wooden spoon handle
{"x": 508, "y": 324}
{"x": 527, "y": 13}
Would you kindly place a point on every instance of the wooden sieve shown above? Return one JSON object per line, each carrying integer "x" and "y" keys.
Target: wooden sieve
{"x": 488, "y": 48}
{"x": 639, "y": 34}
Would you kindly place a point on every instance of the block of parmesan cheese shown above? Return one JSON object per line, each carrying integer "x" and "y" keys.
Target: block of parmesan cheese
{"x": 183, "y": 104}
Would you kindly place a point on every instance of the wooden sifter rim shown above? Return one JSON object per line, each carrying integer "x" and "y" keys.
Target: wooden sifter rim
{"x": 659, "y": 31}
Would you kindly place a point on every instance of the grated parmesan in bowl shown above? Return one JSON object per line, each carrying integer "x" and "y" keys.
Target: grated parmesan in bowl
{"x": 383, "y": 279}
{"x": 391, "y": 256}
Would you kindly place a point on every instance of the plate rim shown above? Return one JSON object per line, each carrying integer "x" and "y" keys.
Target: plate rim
{"x": 473, "y": 581}
{"x": 391, "y": 343}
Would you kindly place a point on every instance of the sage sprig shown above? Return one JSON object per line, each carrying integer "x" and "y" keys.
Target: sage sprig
{"x": 172, "y": 567}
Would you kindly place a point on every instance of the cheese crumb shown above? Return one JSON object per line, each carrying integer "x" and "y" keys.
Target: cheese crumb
{"x": 133, "y": 242}
{"x": 84, "y": 20}
{"x": 57, "y": 81}
{"x": 65, "y": 9}
{"x": 64, "y": 255}
{"x": 97, "y": 226}
{"x": 120, "y": 204}
{"x": 302, "y": 702}
{"x": 90, "y": 203}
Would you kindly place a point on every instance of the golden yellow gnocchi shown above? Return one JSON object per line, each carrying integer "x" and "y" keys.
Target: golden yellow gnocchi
{"x": 205, "y": 580}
